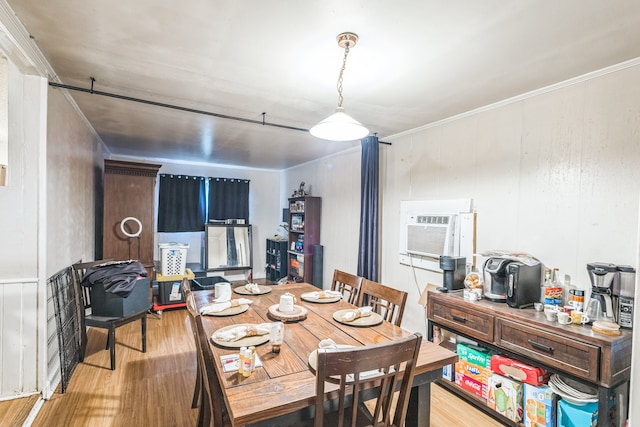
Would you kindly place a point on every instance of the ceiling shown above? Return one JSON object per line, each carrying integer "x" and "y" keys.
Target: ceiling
{"x": 417, "y": 61}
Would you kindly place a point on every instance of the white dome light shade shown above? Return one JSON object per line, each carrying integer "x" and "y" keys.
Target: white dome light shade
{"x": 339, "y": 127}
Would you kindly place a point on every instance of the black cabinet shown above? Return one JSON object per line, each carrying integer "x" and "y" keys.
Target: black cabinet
{"x": 276, "y": 260}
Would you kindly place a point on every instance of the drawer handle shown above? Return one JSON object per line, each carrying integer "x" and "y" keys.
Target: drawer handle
{"x": 458, "y": 318}
{"x": 540, "y": 346}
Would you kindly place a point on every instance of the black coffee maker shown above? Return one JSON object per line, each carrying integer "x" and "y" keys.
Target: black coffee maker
{"x": 495, "y": 278}
{"x": 454, "y": 269}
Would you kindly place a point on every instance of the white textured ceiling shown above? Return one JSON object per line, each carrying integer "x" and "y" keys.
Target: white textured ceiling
{"x": 417, "y": 61}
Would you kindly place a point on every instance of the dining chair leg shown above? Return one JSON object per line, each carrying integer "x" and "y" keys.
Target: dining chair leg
{"x": 197, "y": 391}
{"x": 112, "y": 347}
{"x": 144, "y": 333}
{"x": 204, "y": 414}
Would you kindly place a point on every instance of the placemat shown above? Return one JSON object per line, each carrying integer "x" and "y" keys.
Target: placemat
{"x": 242, "y": 342}
{"x": 371, "y": 320}
{"x": 244, "y": 291}
{"x": 231, "y": 311}
{"x": 310, "y": 298}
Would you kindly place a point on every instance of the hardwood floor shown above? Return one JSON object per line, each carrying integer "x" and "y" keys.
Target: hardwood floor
{"x": 155, "y": 388}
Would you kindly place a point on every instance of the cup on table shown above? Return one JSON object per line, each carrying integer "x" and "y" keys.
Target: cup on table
{"x": 579, "y": 317}
{"x": 564, "y": 318}
{"x": 551, "y": 315}
{"x": 538, "y": 306}
{"x": 286, "y": 303}
{"x": 223, "y": 291}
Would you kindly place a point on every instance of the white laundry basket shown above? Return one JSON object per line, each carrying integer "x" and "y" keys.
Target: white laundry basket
{"x": 173, "y": 258}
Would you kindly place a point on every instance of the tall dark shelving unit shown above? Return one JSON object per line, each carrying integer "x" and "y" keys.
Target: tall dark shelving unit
{"x": 276, "y": 260}
{"x": 304, "y": 234}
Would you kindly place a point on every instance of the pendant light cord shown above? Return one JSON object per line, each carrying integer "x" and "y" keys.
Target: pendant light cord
{"x": 344, "y": 64}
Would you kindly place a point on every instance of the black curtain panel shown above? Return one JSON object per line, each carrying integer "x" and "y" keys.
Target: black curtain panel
{"x": 228, "y": 199}
{"x": 369, "y": 195}
{"x": 181, "y": 203}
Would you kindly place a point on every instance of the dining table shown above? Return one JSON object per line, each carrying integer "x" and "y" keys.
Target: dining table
{"x": 282, "y": 390}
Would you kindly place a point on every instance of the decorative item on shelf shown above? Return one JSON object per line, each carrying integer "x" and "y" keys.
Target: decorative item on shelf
{"x": 301, "y": 192}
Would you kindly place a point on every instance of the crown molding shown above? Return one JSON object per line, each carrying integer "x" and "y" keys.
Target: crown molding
{"x": 556, "y": 86}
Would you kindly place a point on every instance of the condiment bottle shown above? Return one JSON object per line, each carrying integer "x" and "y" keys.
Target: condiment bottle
{"x": 556, "y": 283}
{"x": 252, "y": 351}
{"x": 545, "y": 285}
{"x": 246, "y": 363}
{"x": 276, "y": 336}
{"x": 241, "y": 360}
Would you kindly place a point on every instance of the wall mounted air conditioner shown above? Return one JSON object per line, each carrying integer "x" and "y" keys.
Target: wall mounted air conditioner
{"x": 431, "y": 235}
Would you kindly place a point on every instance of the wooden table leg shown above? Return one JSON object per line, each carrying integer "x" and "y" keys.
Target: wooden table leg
{"x": 419, "y": 409}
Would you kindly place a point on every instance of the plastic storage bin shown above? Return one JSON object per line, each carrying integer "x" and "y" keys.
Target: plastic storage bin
{"x": 173, "y": 258}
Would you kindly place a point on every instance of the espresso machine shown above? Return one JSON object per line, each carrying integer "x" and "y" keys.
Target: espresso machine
{"x": 623, "y": 295}
{"x": 600, "y": 305}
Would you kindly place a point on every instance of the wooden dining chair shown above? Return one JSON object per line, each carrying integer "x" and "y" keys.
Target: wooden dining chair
{"x": 192, "y": 312}
{"x": 213, "y": 408}
{"x": 386, "y": 301}
{"x": 347, "y": 284}
{"x": 110, "y": 323}
{"x": 356, "y": 369}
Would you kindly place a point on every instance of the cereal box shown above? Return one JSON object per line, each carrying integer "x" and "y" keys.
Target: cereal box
{"x": 539, "y": 406}
{"x": 475, "y": 355}
{"x": 505, "y": 397}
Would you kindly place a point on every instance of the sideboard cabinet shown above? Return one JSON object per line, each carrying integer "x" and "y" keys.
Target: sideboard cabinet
{"x": 600, "y": 360}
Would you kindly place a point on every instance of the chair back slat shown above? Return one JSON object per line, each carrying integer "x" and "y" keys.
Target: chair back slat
{"x": 377, "y": 367}
{"x": 346, "y": 283}
{"x": 386, "y": 301}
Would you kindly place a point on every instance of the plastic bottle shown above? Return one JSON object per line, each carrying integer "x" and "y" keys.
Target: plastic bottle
{"x": 556, "y": 283}
{"x": 569, "y": 291}
{"x": 546, "y": 284}
{"x": 252, "y": 351}
{"x": 276, "y": 336}
{"x": 241, "y": 360}
{"x": 246, "y": 363}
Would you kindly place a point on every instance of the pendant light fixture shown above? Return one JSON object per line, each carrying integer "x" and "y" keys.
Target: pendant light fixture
{"x": 340, "y": 126}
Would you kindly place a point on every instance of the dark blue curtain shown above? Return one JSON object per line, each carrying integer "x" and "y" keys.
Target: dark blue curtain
{"x": 369, "y": 195}
{"x": 181, "y": 203}
{"x": 228, "y": 199}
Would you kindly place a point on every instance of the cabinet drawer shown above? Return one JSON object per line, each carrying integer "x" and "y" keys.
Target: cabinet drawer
{"x": 574, "y": 357}
{"x": 476, "y": 324}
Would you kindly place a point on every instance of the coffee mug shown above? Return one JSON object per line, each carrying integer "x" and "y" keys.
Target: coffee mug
{"x": 564, "y": 318}
{"x": 551, "y": 315}
{"x": 579, "y": 317}
{"x": 286, "y": 303}
{"x": 223, "y": 291}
